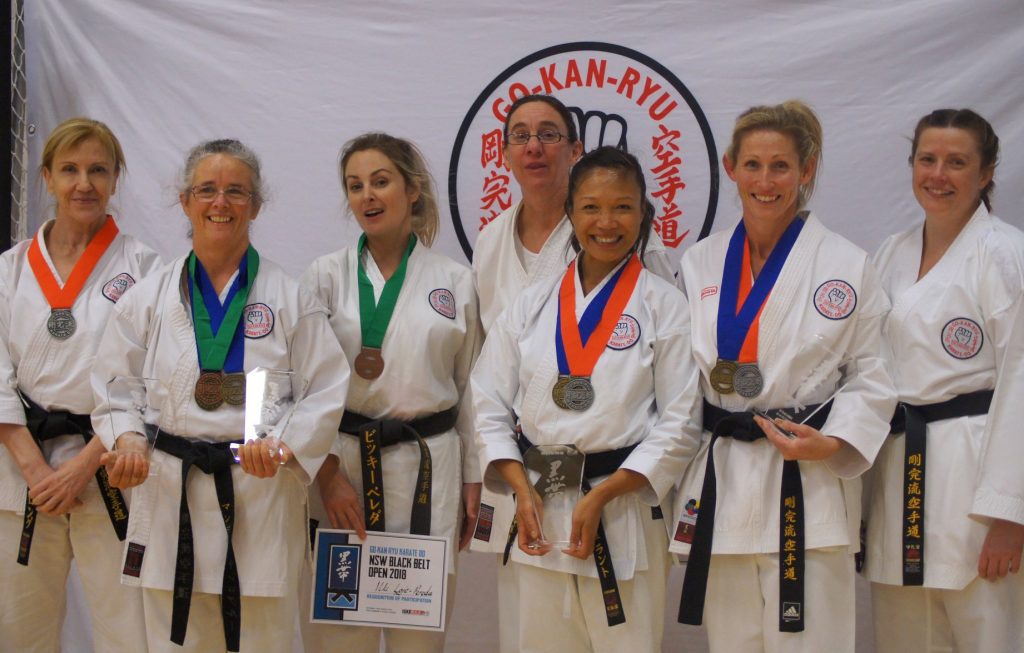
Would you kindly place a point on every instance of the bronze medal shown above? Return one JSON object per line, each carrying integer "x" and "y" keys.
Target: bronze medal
{"x": 233, "y": 389}
{"x": 748, "y": 380}
{"x": 722, "y": 376}
{"x": 369, "y": 364}
{"x": 61, "y": 323}
{"x": 558, "y": 391}
{"x": 209, "y": 393}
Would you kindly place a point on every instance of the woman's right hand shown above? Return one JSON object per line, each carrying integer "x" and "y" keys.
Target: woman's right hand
{"x": 128, "y": 464}
{"x": 529, "y": 507}
{"x": 341, "y": 501}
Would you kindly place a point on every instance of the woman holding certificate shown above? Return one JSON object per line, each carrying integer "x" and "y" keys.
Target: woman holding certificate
{"x": 407, "y": 320}
{"x": 595, "y": 361}
{"x": 57, "y": 291}
{"x": 946, "y": 510}
{"x": 787, "y": 320}
{"x": 216, "y": 546}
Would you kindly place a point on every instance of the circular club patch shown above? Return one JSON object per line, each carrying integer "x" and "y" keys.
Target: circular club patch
{"x": 258, "y": 320}
{"x": 962, "y": 338}
{"x": 835, "y": 299}
{"x": 626, "y": 333}
{"x": 443, "y": 301}
{"x": 117, "y": 286}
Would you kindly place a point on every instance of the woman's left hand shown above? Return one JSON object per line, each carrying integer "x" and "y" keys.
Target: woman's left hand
{"x": 1001, "y": 552}
{"x": 471, "y": 507}
{"x": 809, "y": 443}
{"x": 586, "y": 517}
{"x": 262, "y": 458}
{"x": 58, "y": 493}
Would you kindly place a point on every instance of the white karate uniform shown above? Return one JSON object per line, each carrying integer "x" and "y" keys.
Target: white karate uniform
{"x": 820, "y": 328}
{"x": 429, "y": 348}
{"x": 957, "y": 330}
{"x": 647, "y": 368}
{"x": 54, "y": 374}
{"x": 151, "y": 335}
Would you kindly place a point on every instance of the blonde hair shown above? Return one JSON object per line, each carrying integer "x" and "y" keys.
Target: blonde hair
{"x": 413, "y": 167}
{"x": 793, "y": 118}
{"x": 73, "y": 132}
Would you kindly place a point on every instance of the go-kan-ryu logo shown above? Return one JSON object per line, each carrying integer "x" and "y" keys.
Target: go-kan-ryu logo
{"x": 617, "y": 96}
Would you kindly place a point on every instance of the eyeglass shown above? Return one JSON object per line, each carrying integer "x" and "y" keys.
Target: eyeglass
{"x": 233, "y": 195}
{"x": 545, "y": 136}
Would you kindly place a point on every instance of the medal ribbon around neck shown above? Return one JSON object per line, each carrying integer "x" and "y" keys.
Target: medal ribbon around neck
{"x": 374, "y": 318}
{"x": 64, "y": 298}
{"x": 579, "y": 346}
{"x": 216, "y": 324}
{"x": 737, "y": 316}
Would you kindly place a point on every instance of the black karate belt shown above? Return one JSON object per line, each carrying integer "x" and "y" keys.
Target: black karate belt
{"x": 914, "y": 420}
{"x": 741, "y": 426}
{"x": 375, "y": 434}
{"x": 46, "y": 425}
{"x": 215, "y": 459}
{"x": 595, "y": 465}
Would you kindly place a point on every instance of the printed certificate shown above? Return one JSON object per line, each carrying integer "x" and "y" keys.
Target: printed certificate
{"x": 387, "y": 580}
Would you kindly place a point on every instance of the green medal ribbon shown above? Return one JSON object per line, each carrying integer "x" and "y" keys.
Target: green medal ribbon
{"x": 213, "y": 348}
{"x": 374, "y": 320}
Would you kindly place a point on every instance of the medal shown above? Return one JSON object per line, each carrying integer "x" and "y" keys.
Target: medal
{"x": 209, "y": 391}
{"x": 374, "y": 316}
{"x": 579, "y": 346}
{"x": 722, "y": 375}
{"x": 748, "y": 380}
{"x": 369, "y": 364}
{"x": 220, "y": 344}
{"x": 61, "y": 323}
{"x": 233, "y": 388}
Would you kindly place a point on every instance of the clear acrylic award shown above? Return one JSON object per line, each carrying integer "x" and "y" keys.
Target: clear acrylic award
{"x": 556, "y": 473}
{"x": 270, "y": 398}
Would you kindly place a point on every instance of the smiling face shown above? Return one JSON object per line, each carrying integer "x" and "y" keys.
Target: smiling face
{"x": 768, "y": 176}
{"x": 947, "y": 174}
{"x": 81, "y": 179}
{"x": 607, "y": 212}
{"x": 218, "y": 226}
{"x": 378, "y": 195}
{"x": 540, "y": 168}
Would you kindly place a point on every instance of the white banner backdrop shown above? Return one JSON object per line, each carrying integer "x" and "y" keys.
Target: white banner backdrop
{"x": 296, "y": 79}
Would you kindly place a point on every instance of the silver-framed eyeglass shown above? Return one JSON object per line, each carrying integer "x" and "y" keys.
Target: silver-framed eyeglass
{"x": 232, "y": 194}
{"x": 545, "y": 136}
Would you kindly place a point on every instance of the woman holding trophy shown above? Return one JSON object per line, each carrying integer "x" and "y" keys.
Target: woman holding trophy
{"x": 590, "y": 371}
{"x": 217, "y": 548}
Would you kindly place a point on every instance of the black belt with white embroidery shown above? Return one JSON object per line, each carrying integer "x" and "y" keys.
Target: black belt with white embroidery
{"x": 913, "y": 420}
{"x": 46, "y": 425}
{"x": 595, "y": 465}
{"x": 215, "y": 459}
{"x": 374, "y": 435}
{"x": 741, "y": 426}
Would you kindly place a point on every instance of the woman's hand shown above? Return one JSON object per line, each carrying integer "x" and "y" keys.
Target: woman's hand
{"x": 809, "y": 443}
{"x": 262, "y": 458}
{"x": 1001, "y": 552}
{"x": 341, "y": 501}
{"x": 529, "y": 507}
{"x": 128, "y": 464}
{"x": 471, "y": 509}
{"x": 586, "y": 517}
{"x": 58, "y": 492}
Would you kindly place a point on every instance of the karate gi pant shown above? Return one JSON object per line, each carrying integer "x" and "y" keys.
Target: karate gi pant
{"x": 32, "y": 599}
{"x": 741, "y": 610}
{"x": 366, "y": 639}
{"x": 558, "y": 612}
{"x": 984, "y": 616}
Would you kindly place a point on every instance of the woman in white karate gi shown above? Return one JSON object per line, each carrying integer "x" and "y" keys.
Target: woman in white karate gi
{"x": 627, "y": 398}
{"x": 218, "y": 548}
{"x": 407, "y": 320}
{"x": 787, "y": 317}
{"x": 57, "y": 291}
{"x": 946, "y": 509}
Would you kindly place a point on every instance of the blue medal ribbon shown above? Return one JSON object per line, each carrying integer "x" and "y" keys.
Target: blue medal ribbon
{"x": 236, "y": 352}
{"x": 733, "y": 326}
{"x": 588, "y": 322}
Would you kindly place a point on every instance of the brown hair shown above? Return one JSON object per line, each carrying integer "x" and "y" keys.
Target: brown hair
{"x": 984, "y": 136}
{"x": 73, "y": 132}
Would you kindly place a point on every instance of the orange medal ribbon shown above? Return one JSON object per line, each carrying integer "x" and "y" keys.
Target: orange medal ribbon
{"x": 582, "y": 360}
{"x": 748, "y": 352}
{"x": 64, "y": 298}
